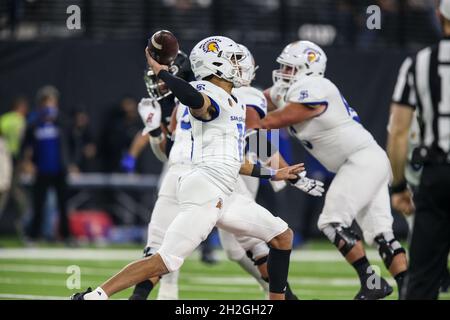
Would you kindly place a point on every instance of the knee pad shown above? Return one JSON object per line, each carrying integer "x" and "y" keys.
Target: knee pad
{"x": 388, "y": 247}
{"x": 344, "y": 238}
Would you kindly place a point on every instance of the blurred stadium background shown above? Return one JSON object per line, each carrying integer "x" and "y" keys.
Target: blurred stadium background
{"x": 98, "y": 71}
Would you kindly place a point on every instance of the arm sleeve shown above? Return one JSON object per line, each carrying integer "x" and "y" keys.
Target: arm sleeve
{"x": 404, "y": 92}
{"x": 181, "y": 89}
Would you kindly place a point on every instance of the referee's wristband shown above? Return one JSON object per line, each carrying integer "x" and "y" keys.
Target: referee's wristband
{"x": 264, "y": 173}
{"x": 399, "y": 187}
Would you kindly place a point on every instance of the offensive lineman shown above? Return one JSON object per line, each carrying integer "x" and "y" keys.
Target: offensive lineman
{"x": 318, "y": 115}
{"x": 217, "y": 120}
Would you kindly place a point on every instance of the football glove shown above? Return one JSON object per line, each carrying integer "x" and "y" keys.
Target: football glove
{"x": 128, "y": 163}
{"x": 150, "y": 112}
{"x": 310, "y": 186}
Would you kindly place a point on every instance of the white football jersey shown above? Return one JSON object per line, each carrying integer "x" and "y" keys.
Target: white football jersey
{"x": 332, "y": 136}
{"x": 218, "y": 144}
{"x": 252, "y": 98}
{"x": 182, "y": 145}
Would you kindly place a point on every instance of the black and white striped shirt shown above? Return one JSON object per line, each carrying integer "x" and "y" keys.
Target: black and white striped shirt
{"x": 424, "y": 84}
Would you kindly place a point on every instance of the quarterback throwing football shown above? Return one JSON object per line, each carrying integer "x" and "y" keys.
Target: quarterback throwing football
{"x": 218, "y": 120}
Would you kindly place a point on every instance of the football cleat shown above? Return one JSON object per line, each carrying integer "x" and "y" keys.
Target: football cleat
{"x": 80, "y": 295}
{"x": 289, "y": 295}
{"x": 376, "y": 293}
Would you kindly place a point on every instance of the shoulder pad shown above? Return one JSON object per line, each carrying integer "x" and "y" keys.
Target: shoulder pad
{"x": 252, "y": 97}
{"x": 309, "y": 91}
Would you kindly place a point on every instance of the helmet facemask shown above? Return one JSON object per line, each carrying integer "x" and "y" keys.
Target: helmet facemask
{"x": 247, "y": 66}
{"x": 156, "y": 88}
{"x": 285, "y": 74}
{"x": 238, "y": 70}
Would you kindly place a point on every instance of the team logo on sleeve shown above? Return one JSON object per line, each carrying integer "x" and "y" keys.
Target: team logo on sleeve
{"x": 200, "y": 86}
{"x": 304, "y": 94}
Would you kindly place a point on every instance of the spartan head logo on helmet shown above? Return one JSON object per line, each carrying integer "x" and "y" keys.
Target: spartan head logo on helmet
{"x": 211, "y": 46}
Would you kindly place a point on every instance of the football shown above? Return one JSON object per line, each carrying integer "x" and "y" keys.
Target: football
{"x": 163, "y": 47}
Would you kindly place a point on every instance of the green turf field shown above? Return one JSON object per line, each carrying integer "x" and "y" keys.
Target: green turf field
{"x": 41, "y": 273}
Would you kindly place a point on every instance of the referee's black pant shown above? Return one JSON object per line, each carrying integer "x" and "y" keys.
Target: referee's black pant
{"x": 430, "y": 241}
{"x": 41, "y": 185}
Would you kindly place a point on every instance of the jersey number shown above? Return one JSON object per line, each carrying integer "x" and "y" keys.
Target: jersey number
{"x": 241, "y": 130}
{"x": 351, "y": 112}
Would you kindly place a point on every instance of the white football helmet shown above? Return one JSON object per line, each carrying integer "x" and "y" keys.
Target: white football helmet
{"x": 219, "y": 56}
{"x": 248, "y": 66}
{"x": 299, "y": 59}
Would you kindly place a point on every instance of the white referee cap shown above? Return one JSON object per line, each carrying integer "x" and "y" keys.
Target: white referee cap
{"x": 444, "y": 8}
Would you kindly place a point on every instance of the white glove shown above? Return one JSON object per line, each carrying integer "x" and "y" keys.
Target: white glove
{"x": 310, "y": 186}
{"x": 150, "y": 112}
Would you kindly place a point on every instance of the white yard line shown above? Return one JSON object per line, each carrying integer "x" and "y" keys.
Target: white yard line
{"x": 33, "y": 282}
{"x": 30, "y": 297}
{"x": 347, "y": 294}
{"x": 131, "y": 254}
{"x": 69, "y": 254}
{"x": 36, "y": 268}
{"x": 198, "y": 281}
{"x": 247, "y": 281}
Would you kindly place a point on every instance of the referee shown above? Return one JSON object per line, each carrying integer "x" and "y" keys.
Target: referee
{"x": 423, "y": 85}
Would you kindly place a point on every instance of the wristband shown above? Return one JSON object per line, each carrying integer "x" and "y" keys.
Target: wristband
{"x": 257, "y": 171}
{"x": 157, "y": 139}
{"x": 398, "y": 188}
{"x": 156, "y": 133}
